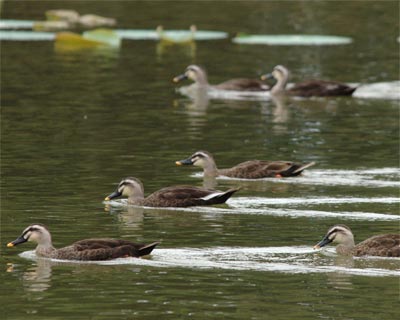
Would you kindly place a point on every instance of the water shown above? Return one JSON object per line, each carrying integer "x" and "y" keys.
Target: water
{"x": 73, "y": 123}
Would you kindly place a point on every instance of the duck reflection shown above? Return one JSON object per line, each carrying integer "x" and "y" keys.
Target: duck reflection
{"x": 341, "y": 280}
{"x": 130, "y": 217}
{"x": 37, "y": 278}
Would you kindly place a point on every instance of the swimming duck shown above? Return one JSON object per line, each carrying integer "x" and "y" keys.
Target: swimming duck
{"x": 175, "y": 196}
{"x": 89, "y": 249}
{"x": 253, "y": 169}
{"x": 317, "y": 88}
{"x": 385, "y": 245}
{"x": 199, "y": 76}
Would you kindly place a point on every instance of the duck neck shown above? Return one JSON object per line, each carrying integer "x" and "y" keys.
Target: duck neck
{"x": 346, "y": 248}
{"x": 210, "y": 170}
{"x": 280, "y": 85}
{"x": 45, "y": 249}
{"x": 201, "y": 79}
{"x": 137, "y": 198}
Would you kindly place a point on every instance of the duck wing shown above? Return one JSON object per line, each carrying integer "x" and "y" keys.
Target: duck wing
{"x": 103, "y": 249}
{"x": 256, "y": 169}
{"x": 386, "y": 245}
{"x": 321, "y": 88}
{"x": 242, "y": 84}
{"x": 185, "y": 196}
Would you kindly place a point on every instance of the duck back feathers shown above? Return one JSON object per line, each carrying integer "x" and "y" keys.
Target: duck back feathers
{"x": 103, "y": 249}
{"x": 256, "y": 169}
{"x": 386, "y": 245}
{"x": 186, "y": 196}
{"x": 321, "y": 88}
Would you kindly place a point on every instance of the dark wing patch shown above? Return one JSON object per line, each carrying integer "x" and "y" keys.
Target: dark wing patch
{"x": 321, "y": 88}
{"x": 243, "y": 84}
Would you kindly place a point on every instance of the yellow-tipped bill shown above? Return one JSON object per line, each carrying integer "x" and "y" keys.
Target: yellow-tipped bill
{"x": 178, "y": 163}
{"x": 10, "y": 244}
{"x": 107, "y": 199}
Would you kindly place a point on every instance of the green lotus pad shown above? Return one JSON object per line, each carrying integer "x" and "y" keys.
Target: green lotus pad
{"x": 292, "y": 40}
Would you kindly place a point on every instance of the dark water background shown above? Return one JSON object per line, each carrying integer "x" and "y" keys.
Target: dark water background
{"x": 74, "y": 123}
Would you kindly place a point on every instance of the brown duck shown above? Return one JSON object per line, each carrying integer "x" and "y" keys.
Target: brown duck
{"x": 253, "y": 169}
{"x": 174, "y": 196}
{"x": 385, "y": 245}
{"x": 310, "y": 88}
{"x": 199, "y": 76}
{"x": 89, "y": 249}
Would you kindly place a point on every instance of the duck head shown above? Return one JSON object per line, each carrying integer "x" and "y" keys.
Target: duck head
{"x": 339, "y": 234}
{"x": 37, "y": 233}
{"x": 279, "y": 73}
{"x": 194, "y": 73}
{"x": 128, "y": 187}
{"x": 198, "y": 159}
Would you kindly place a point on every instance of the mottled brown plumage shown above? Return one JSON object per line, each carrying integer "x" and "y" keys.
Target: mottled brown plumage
{"x": 385, "y": 245}
{"x": 253, "y": 169}
{"x": 310, "y": 88}
{"x": 88, "y": 250}
{"x": 199, "y": 76}
{"x": 174, "y": 196}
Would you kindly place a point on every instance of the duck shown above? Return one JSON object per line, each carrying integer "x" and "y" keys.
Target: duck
{"x": 199, "y": 76}
{"x": 83, "y": 250}
{"x": 173, "y": 196}
{"x": 252, "y": 169}
{"x": 385, "y": 245}
{"x": 310, "y": 88}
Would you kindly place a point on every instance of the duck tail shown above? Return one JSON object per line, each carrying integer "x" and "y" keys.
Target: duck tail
{"x": 300, "y": 169}
{"x": 219, "y": 197}
{"x": 147, "y": 249}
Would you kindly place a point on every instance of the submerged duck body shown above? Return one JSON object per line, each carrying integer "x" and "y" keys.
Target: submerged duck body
{"x": 310, "y": 88}
{"x": 385, "y": 245}
{"x": 174, "y": 196}
{"x": 84, "y": 250}
{"x": 199, "y": 76}
{"x": 252, "y": 169}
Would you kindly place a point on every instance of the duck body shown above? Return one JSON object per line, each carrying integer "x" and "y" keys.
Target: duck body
{"x": 199, "y": 76}
{"x": 252, "y": 169}
{"x": 320, "y": 88}
{"x": 174, "y": 196}
{"x": 310, "y": 88}
{"x": 385, "y": 245}
{"x": 83, "y": 250}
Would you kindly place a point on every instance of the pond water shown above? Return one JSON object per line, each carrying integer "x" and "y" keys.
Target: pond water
{"x": 73, "y": 123}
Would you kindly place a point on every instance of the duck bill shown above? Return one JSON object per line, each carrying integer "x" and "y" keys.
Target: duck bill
{"x": 267, "y": 76}
{"x": 179, "y": 78}
{"x": 113, "y": 195}
{"x": 323, "y": 243}
{"x": 16, "y": 242}
{"x": 186, "y": 162}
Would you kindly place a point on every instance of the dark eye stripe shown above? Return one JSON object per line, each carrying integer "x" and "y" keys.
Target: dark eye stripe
{"x": 200, "y": 155}
{"x": 30, "y": 230}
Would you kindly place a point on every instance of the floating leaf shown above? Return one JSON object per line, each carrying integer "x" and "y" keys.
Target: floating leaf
{"x": 26, "y": 35}
{"x": 286, "y": 40}
{"x": 172, "y": 34}
{"x": 105, "y": 36}
{"x": 16, "y": 24}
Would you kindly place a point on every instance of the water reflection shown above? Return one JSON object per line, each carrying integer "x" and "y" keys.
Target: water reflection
{"x": 339, "y": 280}
{"x": 164, "y": 48}
{"x": 130, "y": 217}
{"x": 37, "y": 278}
